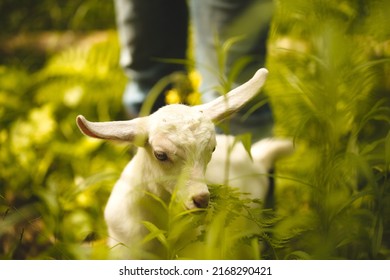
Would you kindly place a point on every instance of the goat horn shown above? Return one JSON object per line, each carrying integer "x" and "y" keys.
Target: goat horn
{"x": 132, "y": 130}
{"x": 224, "y": 106}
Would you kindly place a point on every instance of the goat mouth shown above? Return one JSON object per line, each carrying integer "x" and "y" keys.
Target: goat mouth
{"x": 200, "y": 205}
{"x": 194, "y": 209}
{"x": 196, "y": 206}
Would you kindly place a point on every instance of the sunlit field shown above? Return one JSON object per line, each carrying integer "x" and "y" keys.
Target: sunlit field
{"x": 329, "y": 88}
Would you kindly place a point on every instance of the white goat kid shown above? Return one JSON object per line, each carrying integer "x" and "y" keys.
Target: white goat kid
{"x": 176, "y": 139}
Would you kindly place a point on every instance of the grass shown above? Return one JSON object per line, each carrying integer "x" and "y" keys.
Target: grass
{"x": 330, "y": 93}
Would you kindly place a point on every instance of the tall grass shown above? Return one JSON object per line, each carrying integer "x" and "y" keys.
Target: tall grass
{"x": 329, "y": 86}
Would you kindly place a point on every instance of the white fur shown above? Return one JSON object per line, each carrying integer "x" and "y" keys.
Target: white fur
{"x": 176, "y": 142}
{"x": 232, "y": 165}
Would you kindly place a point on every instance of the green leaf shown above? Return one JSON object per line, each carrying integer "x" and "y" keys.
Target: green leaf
{"x": 246, "y": 140}
{"x": 155, "y": 232}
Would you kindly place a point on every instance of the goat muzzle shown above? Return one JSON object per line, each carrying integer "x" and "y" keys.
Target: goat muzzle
{"x": 201, "y": 200}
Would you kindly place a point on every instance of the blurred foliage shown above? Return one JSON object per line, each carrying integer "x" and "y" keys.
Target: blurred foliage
{"x": 330, "y": 91}
{"x": 30, "y": 16}
{"x": 50, "y": 194}
{"x": 33, "y": 30}
{"x": 329, "y": 84}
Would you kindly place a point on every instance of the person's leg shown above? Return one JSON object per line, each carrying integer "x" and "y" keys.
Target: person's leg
{"x": 215, "y": 23}
{"x": 150, "y": 30}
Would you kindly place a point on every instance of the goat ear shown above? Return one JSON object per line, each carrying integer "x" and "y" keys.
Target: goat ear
{"x": 134, "y": 131}
{"x": 224, "y": 106}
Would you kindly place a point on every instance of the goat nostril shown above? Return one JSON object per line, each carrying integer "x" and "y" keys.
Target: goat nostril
{"x": 201, "y": 200}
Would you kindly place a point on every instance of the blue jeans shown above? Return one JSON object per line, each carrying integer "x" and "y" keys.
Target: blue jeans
{"x": 151, "y": 30}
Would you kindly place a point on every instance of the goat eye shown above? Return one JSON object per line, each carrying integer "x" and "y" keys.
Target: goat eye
{"x": 161, "y": 156}
{"x": 214, "y": 149}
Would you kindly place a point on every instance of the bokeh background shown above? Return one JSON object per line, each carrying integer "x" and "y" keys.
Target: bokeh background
{"x": 329, "y": 87}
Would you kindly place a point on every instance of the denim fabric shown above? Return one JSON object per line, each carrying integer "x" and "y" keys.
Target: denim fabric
{"x": 247, "y": 23}
{"x": 150, "y": 30}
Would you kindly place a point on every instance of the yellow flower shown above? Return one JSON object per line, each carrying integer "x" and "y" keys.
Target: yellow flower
{"x": 172, "y": 96}
{"x": 195, "y": 79}
{"x": 194, "y": 98}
